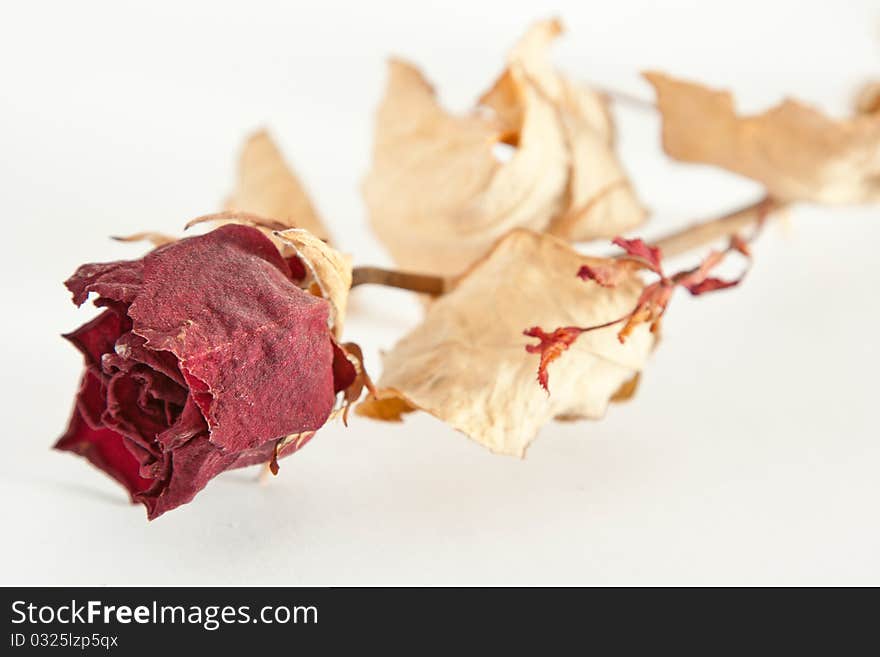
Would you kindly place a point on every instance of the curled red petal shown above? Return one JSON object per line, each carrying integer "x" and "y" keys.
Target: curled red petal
{"x": 97, "y": 337}
{"x": 189, "y": 424}
{"x": 132, "y": 349}
{"x": 698, "y": 281}
{"x": 711, "y": 285}
{"x": 636, "y": 248}
{"x": 129, "y": 415}
{"x": 103, "y": 447}
{"x": 344, "y": 371}
{"x": 118, "y": 281}
{"x": 298, "y": 270}
{"x": 550, "y": 346}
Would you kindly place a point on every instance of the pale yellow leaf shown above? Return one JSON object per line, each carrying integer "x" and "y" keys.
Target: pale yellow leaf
{"x": 466, "y": 363}
{"x": 796, "y": 152}
{"x": 330, "y": 270}
{"x": 600, "y": 201}
{"x": 266, "y": 186}
{"x": 537, "y": 153}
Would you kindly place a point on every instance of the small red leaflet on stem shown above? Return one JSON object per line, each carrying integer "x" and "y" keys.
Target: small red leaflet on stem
{"x": 653, "y": 301}
{"x": 650, "y": 256}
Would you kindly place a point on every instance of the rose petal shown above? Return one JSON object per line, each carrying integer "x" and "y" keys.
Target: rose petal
{"x": 104, "y": 448}
{"x": 97, "y": 337}
{"x": 344, "y": 371}
{"x": 189, "y": 424}
{"x": 224, "y": 304}
{"x": 133, "y": 347}
{"x": 119, "y": 281}
{"x": 127, "y": 415}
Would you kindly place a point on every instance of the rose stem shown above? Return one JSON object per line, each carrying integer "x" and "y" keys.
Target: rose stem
{"x": 706, "y": 232}
{"x": 687, "y": 239}
{"x": 424, "y": 283}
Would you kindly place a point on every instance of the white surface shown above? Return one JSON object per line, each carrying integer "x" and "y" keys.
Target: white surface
{"x": 750, "y": 454}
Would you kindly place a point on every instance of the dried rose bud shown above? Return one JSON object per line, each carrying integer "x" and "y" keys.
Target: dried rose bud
{"x": 207, "y": 354}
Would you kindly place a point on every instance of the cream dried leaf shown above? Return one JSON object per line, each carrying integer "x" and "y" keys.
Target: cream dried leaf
{"x": 266, "y": 186}
{"x": 330, "y": 270}
{"x": 600, "y": 200}
{"x": 439, "y": 193}
{"x": 796, "y": 152}
{"x": 466, "y": 362}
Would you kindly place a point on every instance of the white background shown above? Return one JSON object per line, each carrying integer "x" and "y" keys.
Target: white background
{"x": 750, "y": 455}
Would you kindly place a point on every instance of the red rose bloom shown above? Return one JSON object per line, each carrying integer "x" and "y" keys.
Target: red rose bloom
{"x": 206, "y": 355}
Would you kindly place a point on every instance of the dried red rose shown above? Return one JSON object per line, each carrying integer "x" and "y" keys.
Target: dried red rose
{"x": 207, "y": 354}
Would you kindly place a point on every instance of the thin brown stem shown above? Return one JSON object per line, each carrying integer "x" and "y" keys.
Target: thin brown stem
{"x": 706, "y": 232}
{"x": 686, "y": 239}
{"x": 424, "y": 283}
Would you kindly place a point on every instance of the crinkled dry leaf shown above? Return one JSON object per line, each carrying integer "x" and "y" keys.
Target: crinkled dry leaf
{"x": 797, "y": 153}
{"x": 330, "y": 270}
{"x": 268, "y": 195}
{"x": 267, "y": 187}
{"x": 600, "y": 200}
{"x": 440, "y": 195}
{"x": 466, "y": 362}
